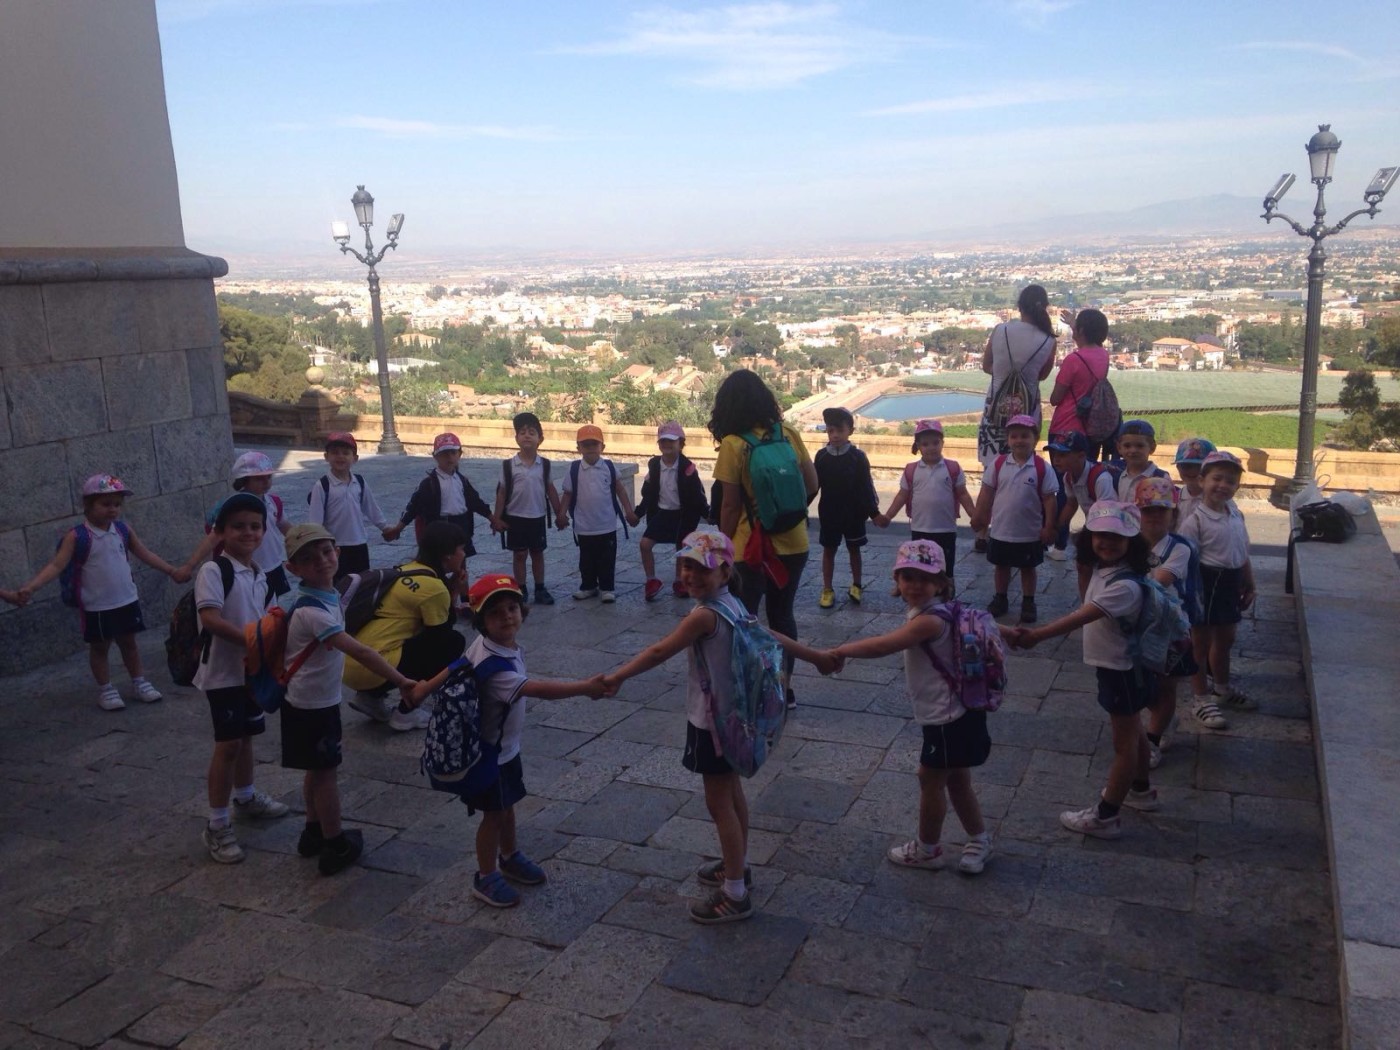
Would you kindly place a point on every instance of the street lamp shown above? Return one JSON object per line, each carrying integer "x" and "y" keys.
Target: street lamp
{"x": 1322, "y": 155}
{"x": 389, "y": 443}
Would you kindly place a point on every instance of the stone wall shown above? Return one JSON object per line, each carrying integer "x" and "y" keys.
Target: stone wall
{"x": 108, "y": 362}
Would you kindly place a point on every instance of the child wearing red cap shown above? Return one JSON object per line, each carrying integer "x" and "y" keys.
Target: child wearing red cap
{"x": 594, "y": 497}
{"x": 342, "y": 502}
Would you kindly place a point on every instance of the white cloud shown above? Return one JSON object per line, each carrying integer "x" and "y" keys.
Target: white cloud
{"x": 752, "y": 46}
{"x": 393, "y": 127}
{"x": 1010, "y": 95}
{"x": 1364, "y": 68}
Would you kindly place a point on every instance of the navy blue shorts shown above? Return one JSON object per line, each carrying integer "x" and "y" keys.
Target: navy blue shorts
{"x": 1125, "y": 692}
{"x": 508, "y": 789}
{"x": 235, "y": 713}
{"x": 526, "y": 534}
{"x": 831, "y": 534}
{"x": 960, "y": 744}
{"x": 700, "y": 755}
{"x": 310, "y": 737}
{"x": 112, "y": 623}
{"x": 664, "y": 526}
{"x": 1015, "y": 555}
{"x": 1220, "y": 595}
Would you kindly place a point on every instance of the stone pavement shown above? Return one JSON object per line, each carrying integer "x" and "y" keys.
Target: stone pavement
{"x": 1208, "y": 924}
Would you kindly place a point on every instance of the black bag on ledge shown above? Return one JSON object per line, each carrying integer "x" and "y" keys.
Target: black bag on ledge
{"x": 1326, "y": 521}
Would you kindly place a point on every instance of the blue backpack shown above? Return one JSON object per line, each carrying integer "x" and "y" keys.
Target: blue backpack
{"x": 747, "y": 730}
{"x": 456, "y": 758}
{"x": 1189, "y": 587}
{"x": 779, "y": 493}
{"x": 70, "y": 579}
{"x": 1159, "y": 640}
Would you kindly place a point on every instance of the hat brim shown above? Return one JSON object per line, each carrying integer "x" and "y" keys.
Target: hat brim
{"x": 1112, "y": 526}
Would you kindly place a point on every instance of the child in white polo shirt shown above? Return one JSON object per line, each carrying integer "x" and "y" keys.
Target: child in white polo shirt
{"x": 934, "y": 490}
{"x": 595, "y": 497}
{"x": 342, "y": 502}
{"x": 1017, "y": 502}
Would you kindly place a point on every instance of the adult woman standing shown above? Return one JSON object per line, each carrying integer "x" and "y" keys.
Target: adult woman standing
{"x": 745, "y": 410}
{"x": 413, "y": 627}
{"x": 1024, "y": 347}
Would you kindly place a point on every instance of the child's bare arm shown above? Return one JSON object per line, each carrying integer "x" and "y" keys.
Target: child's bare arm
{"x": 56, "y": 565}
{"x": 965, "y": 501}
{"x": 212, "y": 620}
{"x": 1247, "y": 592}
{"x": 203, "y": 552}
{"x": 555, "y": 689}
{"x": 371, "y": 660}
{"x": 821, "y": 659}
{"x": 12, "y": 597}
{"x": 149, "y": 557}
{"x": 1066, "y": 624}
{"x": 982, "y": 510}
{"x": 554, "y": 501}
{"x": 901, "y": 499}
{"x": 1048, "y": 529}
{"x": 915, "y": 632}
{"x": 699, "y": 623}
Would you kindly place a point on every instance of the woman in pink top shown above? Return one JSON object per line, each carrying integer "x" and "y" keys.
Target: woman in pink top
{"x": 1077, "y": 375}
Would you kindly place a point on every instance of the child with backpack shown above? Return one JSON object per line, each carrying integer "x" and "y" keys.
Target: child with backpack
{"x": 955, "y": 735}
{"x": 933, "y": 490}
{"x": 498, "y": 612}
{"x": 709, "y": 636}
{"x": 316, "y": 646}
{"x": 1137, "y": 440}
{"x": 1175, "y": 564}
{"x": 1082, "y": 483}
{"x": 1190, "y": 454}
{"x": 446, "y": 494}
{"x": 594, "y": 497}
{"x": 342, "y": 502}
{"x": 229, "y": 592}
{"x": 1218, "y": 530}
{"x": 1017, "y": 507}
{"x": 847, "y": 500}
{"x": 252, "y": 472}
{"x": 525, "y": 498}
{"x": 93, "y": 566}
{"x": 1112, "y": 539}
{"x": 673, "y": 502}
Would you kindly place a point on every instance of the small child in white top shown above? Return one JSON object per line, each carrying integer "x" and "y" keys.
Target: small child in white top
{"x": 99, "y": 550}
{"x": 1112, "y": 541}
{"x": 239, "y": 525}
{"x": 342, "y": 502}
{"x": 1190, "y": 454}
{"x": 252, "y": 472}
{"x": 1218, "y": 530}
{"x": 595, "y": 505}
{"x": 934, "y": 490}
{"x": 955, "y": 739}
{"x": 1017, "y": 506}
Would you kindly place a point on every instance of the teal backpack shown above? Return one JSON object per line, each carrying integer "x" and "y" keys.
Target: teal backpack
{"x": 747, "y": 731}
{"x": 1159, "y": 640}
{"x": 779, "y": 493}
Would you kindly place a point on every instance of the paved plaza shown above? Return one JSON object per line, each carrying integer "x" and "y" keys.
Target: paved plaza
{"x": 1209, "y": 924}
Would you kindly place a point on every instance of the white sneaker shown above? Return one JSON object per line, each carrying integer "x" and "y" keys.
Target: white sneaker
{"x": 405, "y": 721}
{"x": 223, "y": 845}
{"x": 145, "y": 692}
{"x": 261, "y": 806}
{"x": 1143, "y": 801}
{"x": 375, "y": 707}
{"x": 109, "y": 699}
{"x": 1056, "y": 554}
{"x": 608, "y": 597}
{"x": 1234, "y": 696}
{"x": 1207, "y": 712}
{"x": 584, "y": 593}
{"x": 912, "y": 855}
{"x": 1154, "y": 755}
{"x": 975, "y": 855}
{"x": 1088, "y": 822}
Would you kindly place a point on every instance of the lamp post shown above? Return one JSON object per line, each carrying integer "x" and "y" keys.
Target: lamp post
{"x": 1322, "y": 154}
{"x": 389, "y": 443}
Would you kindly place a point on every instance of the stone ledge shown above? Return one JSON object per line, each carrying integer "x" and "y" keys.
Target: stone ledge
{"x": 61, "y": 266}
{"x": 1352, "y": 666}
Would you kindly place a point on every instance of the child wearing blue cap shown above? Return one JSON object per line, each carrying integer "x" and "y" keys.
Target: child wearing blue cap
{"x": 1136, "y": 443}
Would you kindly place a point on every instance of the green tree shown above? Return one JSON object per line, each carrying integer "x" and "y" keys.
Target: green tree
{"x": 1359, "y": 394}
{"x": 1383, "y": 345}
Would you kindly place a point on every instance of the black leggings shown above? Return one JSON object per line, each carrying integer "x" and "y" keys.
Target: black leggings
{"x": 753, "y": 586}
{"x": 429, "y": 651}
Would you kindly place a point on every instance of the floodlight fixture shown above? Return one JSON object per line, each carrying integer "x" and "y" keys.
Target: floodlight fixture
{"x": 340, "y": 232}
{"x": 1281, "y": 187}
{"x": 395, "y": 225}
{"x": 1380, "y": 185}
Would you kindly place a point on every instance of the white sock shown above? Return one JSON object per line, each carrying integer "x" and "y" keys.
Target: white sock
{"x": 243, "y": 794}
{"x": 218, "y": 818}
{"x": 983, "y": 838}
{"x": 925, "y": 848}
{"x": 734, "y": 889}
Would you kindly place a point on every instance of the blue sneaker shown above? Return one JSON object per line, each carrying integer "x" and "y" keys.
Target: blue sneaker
{"x": 520, "y": 868}
{"x": 494, "y": 891}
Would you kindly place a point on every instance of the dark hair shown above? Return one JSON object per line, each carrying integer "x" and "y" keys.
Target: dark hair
{"x": 240, "y": 501}
{"x": 524, "y": 420}
{"x": 1035, "y": 304}
{"x": 479, "y": 617}
{"x": 914, "y": 448}
{"x": 743, "y": 402}
{"x": 1092, "y": 325}
{"x": 1139, "y": 551}
{"x": 939, "y": 578}
{"x": 438, "y": 540}
{"x": 838, "y": 417}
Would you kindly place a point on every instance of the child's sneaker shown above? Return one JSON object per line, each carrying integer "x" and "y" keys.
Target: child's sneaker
{"x": 223, "y": 845}
{"x": 520, "y": 868}
{"x": 1088, "y": 822}
{"x": 607, "y": 597}
{"x": 1028, "y": 610}
{"x": 912, "y": 855}
{"x": 261, "y": 806}
{"x": 1056, "y": 554}
{"x": 653, "y": 590}
{"x": 109, "y": 699}
{"x": 975, "y": 855}
{"x": 712, "y": 874}
{"x": 408, "y": 721}
{"x": 1206, "y": 712}
{"x": 372, "y": 706}
{"x": 854, "y": 592}
{"x": 719, "y": 907}
{"x": 494, "y": 890}
{"x": 790, "y": 699}
{"x": 1154, "y": 755}
{"x": 145, "y": 692}
{"x": 542, "y": 596}
{"x": 339, "y": 854}
{"x": 1143, "y": 801}
{"x": 580, "y": 595}
{"x": 679, "y": 589}
{"x": 310, "y": 842}
{"x": 828, "y": 598}
{"x": 1234, "y": 696}
{"x": 998, "y": 606}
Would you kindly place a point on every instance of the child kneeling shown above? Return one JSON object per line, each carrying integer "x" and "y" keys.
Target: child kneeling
{"x": 955, "y": 739}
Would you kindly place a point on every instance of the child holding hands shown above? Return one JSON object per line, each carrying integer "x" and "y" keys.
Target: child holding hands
{"x": 955, "y": 739}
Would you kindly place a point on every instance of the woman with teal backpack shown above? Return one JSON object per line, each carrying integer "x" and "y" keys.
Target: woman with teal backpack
{"x": 766, "y": 479}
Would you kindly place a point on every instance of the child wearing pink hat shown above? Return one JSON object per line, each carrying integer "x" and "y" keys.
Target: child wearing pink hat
{"x": 673, "y": 503}
{"x": 933, "y": 489}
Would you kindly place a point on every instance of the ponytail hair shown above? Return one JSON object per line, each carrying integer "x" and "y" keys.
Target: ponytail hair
{"x": 1035, "y": 304}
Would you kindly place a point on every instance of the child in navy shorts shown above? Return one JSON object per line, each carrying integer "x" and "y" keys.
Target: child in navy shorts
{"x": 525, "y": 501}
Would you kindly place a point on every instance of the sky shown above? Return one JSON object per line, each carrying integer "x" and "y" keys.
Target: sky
{"x": 608, "y": 126}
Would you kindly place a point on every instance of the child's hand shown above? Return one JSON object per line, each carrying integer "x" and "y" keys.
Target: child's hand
{"x": 391, "y": 532}
{"x": 562, "y": 521}
{"x": 881, "y": 520}
{"x": 829, "y": 662}
{"x": 633, "y": 520}
{"x": 498, "y": 525}
{"x": 414, "y": 693}
{"x": 595, "y": 687}
{"x": 977, "y": 523}
{"x": 23, "y": 595}
{"x": 1246, "y": 598}
{"x": 13, "y": 597}
{"x": 181, "y": 575}
{"x": 611, "y": 684}
{"x": 1047, "y": 535}
{"x": 1067, "y": 316}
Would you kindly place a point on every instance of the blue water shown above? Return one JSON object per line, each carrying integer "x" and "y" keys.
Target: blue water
{"x": 896, "y": 407}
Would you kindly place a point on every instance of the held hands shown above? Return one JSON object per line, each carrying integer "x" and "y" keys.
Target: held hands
{"x": 391, "y": 532}
{"x": 632, "y": 520}
{"x": 562, "y": 520}
{"x": 413, "y": 693}
{"x": 1047, "y": 535}
{"x": 14, "y": 597}
{"x": 881, "y": 520}
{"x": 611, "y": 684}
{"x": 828, "y": 662}
{"x": 594, "y": 687}
{"x": 977, "y": 523}
{"x": 497, "y": 524}
{"x": 181, "y": 575}
{"x": 1020, "y": 637}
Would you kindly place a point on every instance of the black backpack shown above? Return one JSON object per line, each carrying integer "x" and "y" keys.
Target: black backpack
{"x": 187, "y": 644}
{"x": 1325, "y": 521}
{"x": 361, "y": 593}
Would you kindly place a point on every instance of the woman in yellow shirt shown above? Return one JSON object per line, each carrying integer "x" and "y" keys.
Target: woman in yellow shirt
{"x": 745, "y": 405}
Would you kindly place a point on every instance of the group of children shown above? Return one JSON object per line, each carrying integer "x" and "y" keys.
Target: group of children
{"x": 1137, "y": 523}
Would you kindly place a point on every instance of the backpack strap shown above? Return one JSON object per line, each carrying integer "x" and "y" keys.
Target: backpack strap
{"x": 954, "y": 474}
{"x": 507, "y": 480}
{"x": 363, "y": 489}
{"x": 950, "y": 617}
{"x": 574, "y": 468}
{"x": 277, "y": 505}
{"x": 305, "y": 654}
{"x": 612, "y": 492}
{"x": 996, "y": 469}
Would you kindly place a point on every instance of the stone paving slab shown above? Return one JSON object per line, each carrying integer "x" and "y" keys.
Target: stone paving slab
{"x": 1208, "y": 924}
